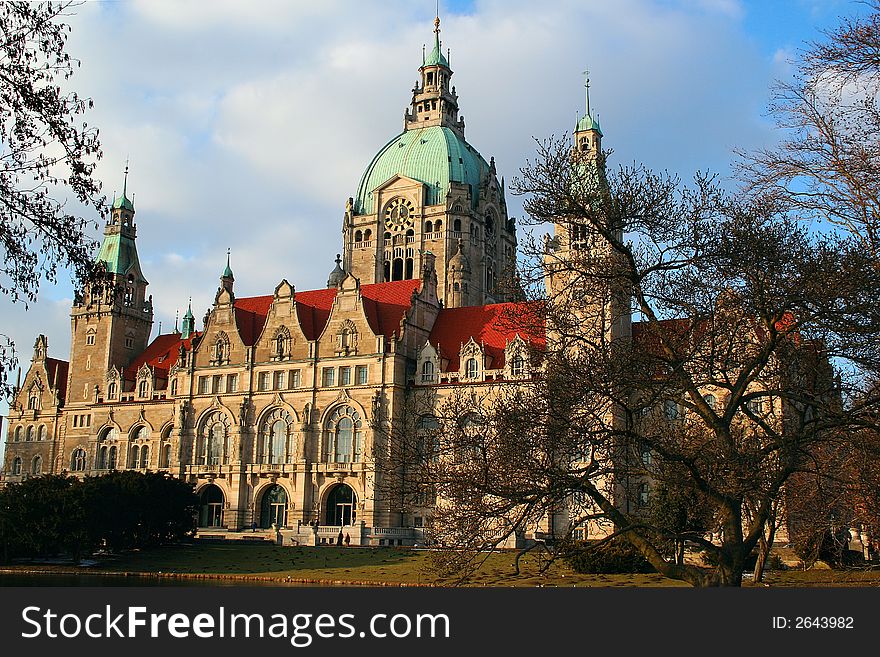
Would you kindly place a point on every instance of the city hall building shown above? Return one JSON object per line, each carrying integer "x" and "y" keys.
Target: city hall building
{"x": 270, "y": 408}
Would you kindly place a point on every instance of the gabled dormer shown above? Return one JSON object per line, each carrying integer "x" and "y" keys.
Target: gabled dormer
{"x": 517, "y": 358}
{"x": 428, "y": 365}
{"x": 472, "y": 361}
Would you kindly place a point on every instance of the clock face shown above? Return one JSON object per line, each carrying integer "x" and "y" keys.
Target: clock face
{"x": 398, "y": 214}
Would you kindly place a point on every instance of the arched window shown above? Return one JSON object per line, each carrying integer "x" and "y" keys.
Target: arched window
{"x": 174, "y": 387}
{"x": 211, "y": 506}
{"x": 145, "y": 457}
{"x": 78, "y": 460}
{"x": 428, "y": 445}
{"x": 135, "y": 455}
{"x": 408, "y": 274}
{"x": 358, "y": 236}
{"x": 341, "y": 506}
{"x": 429, "y": 227}
{"x": 143, "y": 386}
{"x": 344, "y": 437}
{"x": 274, "y": 444}
{"x": 427, "y": 372}
{"x": 37, "y": 465}
{"x": 16, "y": 465}
{"x": 368, "y": 235}
{"x": 112, "y": 456}
{"x": 165, "y": 456}
{"x": 644, "y": 494}
{"x": 41, "y": 434}
{"x": 518, "y": 366}
{"x": 18, "y": 434}
{"x": 387, "y": 271}
{"x": 273, "y": 507}
{"x": 213, "y": 439}
{"x": 31, "y": 433}
{"x": 111, "y": 390}
{"x": 143, "y": 433}
{"x": 456, "y": 225}
{"x": 33, "y": 401}
{"x": 438, "y": 225}
{"x": 471, "y": 438}
{"x": 471, "y": 368}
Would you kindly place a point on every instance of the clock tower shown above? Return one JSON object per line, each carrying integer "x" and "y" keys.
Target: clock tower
{"x": 429, "y": 190}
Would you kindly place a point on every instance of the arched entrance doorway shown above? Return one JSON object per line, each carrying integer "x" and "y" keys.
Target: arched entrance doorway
{"x": 273, "y": 507}
{"x": 211, "y": 509}
{"x": 340, "y": 506}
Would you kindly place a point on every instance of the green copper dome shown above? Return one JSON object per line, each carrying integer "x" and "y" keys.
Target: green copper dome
{"x": 122, "y": 202}
{"x": 435, "y": 156}
{"x": 587, "y": 122}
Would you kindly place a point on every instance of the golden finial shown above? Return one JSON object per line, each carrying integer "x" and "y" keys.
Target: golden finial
{"x": 436, "y": 23}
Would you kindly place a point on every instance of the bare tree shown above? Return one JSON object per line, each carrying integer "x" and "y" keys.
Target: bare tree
{"x": 827, "y": 164}
{"x": 723, "y": 391}
{"x": 48, "y": 156}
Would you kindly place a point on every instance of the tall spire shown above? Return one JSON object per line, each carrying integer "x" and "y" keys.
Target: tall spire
{"x": 587, "y": 122}
{"x": 436, "y": 57}
{"x": 227, "y": 273}
{"x": 125, "y": 179}
{"x": 434, "y": 102}
{"x": 189, "y": 322}
{"x": 587, "y": 87}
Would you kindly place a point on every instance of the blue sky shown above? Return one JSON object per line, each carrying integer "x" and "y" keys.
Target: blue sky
{"x": 248, "y": 125}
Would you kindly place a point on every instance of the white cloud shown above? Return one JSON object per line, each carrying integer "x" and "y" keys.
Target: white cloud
{"x": 249, "y": 124}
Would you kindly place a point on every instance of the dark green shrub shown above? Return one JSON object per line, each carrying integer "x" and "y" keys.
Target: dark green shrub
{"x": 615, "y": 556}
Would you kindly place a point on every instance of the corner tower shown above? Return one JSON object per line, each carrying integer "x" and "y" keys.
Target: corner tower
{"x": 426, "y": 190}
{"x": 576, "y": 257}
{"x": 112, "y": 316}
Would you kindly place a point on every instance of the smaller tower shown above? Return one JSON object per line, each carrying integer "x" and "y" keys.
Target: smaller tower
{"x": 587, "y": 133}
{"x": 434, "y": 102}
{"x": 112, "y": 316}
{"x": 227, "y": 279}
{"x": 337, "y": 275}
{"x": 458, "y": 278}
{"x": 189, "y": 322}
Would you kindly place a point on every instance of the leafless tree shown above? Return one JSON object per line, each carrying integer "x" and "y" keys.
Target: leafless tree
{"x": 723, "y": 391}
{"x": 48, "y": 156}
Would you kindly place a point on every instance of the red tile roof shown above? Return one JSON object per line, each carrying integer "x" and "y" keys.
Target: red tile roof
{"x": 57, "y": 372}
{"x": 313, "y": 310}
{"x": 384, "y": 305}
{"x": 160, "y": 354}
{"x": 250, "y": 317}
{"x": 493, "y": 326}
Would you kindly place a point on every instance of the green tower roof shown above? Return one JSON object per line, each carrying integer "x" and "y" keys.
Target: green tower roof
{"x": 227, "y": 273}
{"x": 587, "y": 122}
{"x": 119, "y": 255}
{"x": 436, "y": 156}
{"x": 436, "y": 56}
{"x": 122, "y": 202}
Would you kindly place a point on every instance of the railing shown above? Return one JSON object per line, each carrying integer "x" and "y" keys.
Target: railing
{"x": 433, "y": 236}
{"x": 401, "y": 532}
{"x": 365, "y": 244}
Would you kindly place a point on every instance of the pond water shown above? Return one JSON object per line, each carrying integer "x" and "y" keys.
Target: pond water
{"x": 85, "y": 579}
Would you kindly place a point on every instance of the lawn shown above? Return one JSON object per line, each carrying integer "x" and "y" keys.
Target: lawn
{"x": 401, "y": 566}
